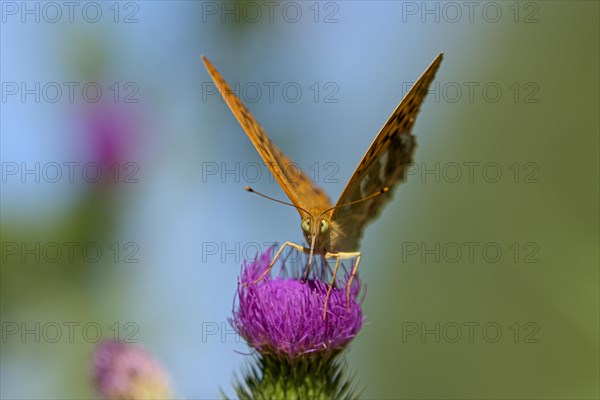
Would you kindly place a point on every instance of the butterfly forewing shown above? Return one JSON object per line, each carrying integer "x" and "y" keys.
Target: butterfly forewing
{"x": 384, "y": 165}
{"x": 296, "y": 184}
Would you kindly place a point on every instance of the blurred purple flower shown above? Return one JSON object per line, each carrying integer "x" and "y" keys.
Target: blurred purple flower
{"x": 126, "y": 371}
{"x": 111, "y": 138}
{"x": 111, "y": 132}
{"x": 284, "y": 317}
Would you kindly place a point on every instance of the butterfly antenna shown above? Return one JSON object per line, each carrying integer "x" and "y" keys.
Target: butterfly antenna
{"x": 382, "y": 191}
{"x": 249, "y": 189}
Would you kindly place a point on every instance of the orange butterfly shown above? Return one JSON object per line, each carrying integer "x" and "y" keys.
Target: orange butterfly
{"x": 335, "y": 231}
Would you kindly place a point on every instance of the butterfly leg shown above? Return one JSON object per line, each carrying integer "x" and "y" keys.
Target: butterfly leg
{"x": 283, "y": 246}
{"x": 352, "y": 275}
{"x": 304, "y": 278}
{"x": 335, "y": 270}
{"x": 338, "y": 257}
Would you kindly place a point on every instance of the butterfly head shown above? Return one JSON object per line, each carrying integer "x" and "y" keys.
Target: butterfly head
{"x": 315, "y": 229}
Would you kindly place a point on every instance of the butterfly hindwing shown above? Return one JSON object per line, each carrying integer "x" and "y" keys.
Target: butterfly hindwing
{"x": 384, "y": 165}
{"x": 295, "y": 183}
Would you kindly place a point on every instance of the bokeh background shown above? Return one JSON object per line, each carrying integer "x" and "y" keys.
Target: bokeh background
{"x": 482, "y": 274}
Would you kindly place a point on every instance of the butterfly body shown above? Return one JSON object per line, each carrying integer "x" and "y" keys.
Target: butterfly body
{"x": 335, "y": 231}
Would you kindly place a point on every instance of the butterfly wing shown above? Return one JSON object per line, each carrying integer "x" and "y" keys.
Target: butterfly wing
{"x": 295, "y": 183}
{"x": 384, "y": 165}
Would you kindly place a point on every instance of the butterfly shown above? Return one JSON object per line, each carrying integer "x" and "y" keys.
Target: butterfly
{"x": 335, "y": 231}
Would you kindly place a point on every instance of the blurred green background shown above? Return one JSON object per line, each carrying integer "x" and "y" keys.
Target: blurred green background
{"x": 482, "y": 274}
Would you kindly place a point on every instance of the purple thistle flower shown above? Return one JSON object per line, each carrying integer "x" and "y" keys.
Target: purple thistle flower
{"x": 126, "y": 371}
{"x": 284, "y": 317}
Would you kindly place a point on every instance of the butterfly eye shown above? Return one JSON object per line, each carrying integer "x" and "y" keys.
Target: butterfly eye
{"x": 305, "y": 225}
{"x": 324, "y": 226}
